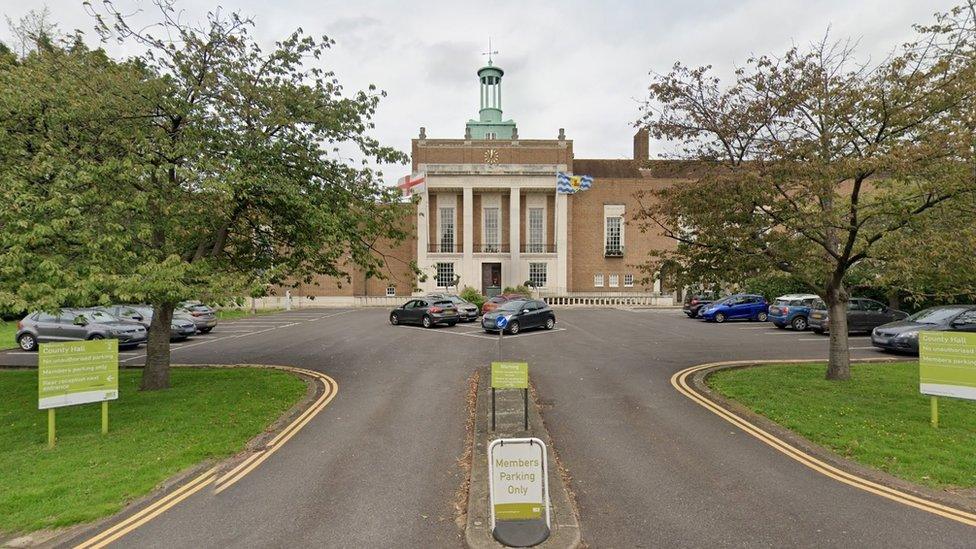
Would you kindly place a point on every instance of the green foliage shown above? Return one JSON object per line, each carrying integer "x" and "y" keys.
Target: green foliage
{"x": 521, "y": 289}
{"x": 474, "y": 296}
{"x": 878, "y": 419}
{"x": 771, "y": 285}
{"x": 208, "y": 414}
{"x": 203, "y": 168}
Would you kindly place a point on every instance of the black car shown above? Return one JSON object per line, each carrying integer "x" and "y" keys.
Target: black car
{"x": 863, "y": 315}
{"x": 426, "y": 311}
{"x": 522, "y": 314}
{"x": 902, "y": 336}
{"x": 694, "y": 303}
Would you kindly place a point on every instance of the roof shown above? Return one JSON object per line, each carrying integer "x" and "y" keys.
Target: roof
{"x": 614, "y": 169}
{"x": 626, "y": 168}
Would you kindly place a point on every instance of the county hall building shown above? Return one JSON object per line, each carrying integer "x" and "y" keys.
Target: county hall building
{"x": 490, "y": 215}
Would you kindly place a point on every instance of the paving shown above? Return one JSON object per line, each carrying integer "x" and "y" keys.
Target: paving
{"x": 650, "y": 468}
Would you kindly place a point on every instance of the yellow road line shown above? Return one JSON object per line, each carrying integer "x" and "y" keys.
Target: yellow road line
{"x": 208, "y": 478}
{"x": 680, "y": 382}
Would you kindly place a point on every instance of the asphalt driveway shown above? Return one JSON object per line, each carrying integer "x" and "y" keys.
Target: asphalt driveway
{"x": 650, "y": 468}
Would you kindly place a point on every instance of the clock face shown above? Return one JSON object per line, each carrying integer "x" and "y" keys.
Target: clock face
{"x": 491, "y": 156}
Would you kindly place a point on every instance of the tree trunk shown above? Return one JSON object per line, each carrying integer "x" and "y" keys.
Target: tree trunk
{"x": 839, "y": 359}
{"x": 156, "y": 373}
{"x": 893, "y": 300}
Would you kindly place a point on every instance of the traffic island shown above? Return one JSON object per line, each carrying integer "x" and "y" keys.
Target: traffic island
{"x": 509, "y": 408}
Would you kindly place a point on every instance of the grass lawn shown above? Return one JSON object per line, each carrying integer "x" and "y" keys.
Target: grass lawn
{"x": 207, "y": 414}
{"x": 7, "y": 331}
{"x": 878, "y": 418}
{"x": 231, "y": 314}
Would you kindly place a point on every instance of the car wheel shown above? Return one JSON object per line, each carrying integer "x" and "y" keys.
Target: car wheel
{"x": 27, "y": 342}
{"x": 514, "y": 328}
{"x": 800, "y": 323}
{"x": 719, "y": 318}
{"x": 96, "y": 337}
{"x": 550, "y": 323}
{"x": 394, "y": 319}
{"x": 206, "y": 330}
{"x": 427, "y": 322}
{"x": 762, "y": 317}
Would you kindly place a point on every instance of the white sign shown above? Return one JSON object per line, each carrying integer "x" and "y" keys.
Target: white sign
{"x": 519, "y": 487}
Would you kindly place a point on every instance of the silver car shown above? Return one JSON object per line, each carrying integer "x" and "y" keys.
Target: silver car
{"x": 181, "y": 327}
{"x": 77, "y": 325}
{"x": 467, "y": 310}
{"x": 204, "y": 316}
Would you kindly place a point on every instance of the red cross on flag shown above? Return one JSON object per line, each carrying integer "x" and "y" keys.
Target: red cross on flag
{"x": 414, "y": 183}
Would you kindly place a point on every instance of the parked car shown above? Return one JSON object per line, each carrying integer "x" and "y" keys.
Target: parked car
{"x": 467, "y": 310}
{"x": 738, "y": 306}
{"x": 863, "y": 315}
{"x": 204, "y": 316}
{"x": 497, "y": 301}
{"x": 902, "y": 335}
{"x": 76, "y": 325}
{"x": 427, "y": 312}
{"x": 792, "y": 310}
{"x": 694, "y": 305}
{"x": 522, "y": 314}
{"x": 181, "y": 327}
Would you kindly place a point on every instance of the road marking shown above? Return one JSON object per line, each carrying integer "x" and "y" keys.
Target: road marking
{"x": 753, "y": 327}
{"x": 157, "y": 508}
{"x": 825, "y": 338}
{"x": 680, "y": 382}
{"x": 142, "y": 517}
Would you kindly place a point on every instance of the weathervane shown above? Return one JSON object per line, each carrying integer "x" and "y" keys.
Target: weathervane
{"x": 489, "y": 53}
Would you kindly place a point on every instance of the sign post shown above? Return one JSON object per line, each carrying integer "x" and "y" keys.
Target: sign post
{"x": 77, "y": 372}
{"x": 946, "y": 367}
{"x": 511, "y": 375}
{"x": 519, "y": 491}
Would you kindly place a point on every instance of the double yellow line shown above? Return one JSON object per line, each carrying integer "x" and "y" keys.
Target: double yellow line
{"x": 680, "y": 382}
{"x": 117, "y": 531}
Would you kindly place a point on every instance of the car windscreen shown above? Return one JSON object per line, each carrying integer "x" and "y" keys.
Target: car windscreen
{"x": 99, "y": 316}
{"x": 444, "y": 303}
{"x": 936, "y": 316}
{"x": 783, "y": 302}
{"x": 512, "y": 306}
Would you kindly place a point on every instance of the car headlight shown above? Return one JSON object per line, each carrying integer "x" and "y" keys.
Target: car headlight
{"x": 908, "y": 335}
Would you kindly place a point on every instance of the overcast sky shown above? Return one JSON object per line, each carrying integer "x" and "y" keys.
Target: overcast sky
{"x": 568, "y": 64}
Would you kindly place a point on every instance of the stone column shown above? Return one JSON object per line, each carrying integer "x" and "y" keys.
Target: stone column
{"x": 467, "y": 219}
{"x": 423, "y": 231}
{"x": 562, "y": 243}
{"x": 514, "y": 238}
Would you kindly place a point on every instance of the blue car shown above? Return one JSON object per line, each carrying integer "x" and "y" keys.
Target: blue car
{"x": 738, "y": 306}
{"x": 792, "y": 310}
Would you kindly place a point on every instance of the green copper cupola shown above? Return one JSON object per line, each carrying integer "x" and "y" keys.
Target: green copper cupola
{"x": 490, "y": 124}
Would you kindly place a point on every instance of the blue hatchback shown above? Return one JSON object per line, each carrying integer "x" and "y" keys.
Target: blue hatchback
{"x": 738, "y": 306}
{"x": 792, "y": 310}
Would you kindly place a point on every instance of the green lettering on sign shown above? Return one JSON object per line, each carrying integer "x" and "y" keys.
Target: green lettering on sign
{"x": 77, "y": 372}
{"x": 509, "y": 375}
{"x": 947, "y": 364}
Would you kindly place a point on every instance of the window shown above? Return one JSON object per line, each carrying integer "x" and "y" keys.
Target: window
{"x": 536, "y": 231}
{"x": 447, "y": 230}
{"x": 490, "y": 135}
{"x": 614, "y": 242}
{"x": 490, "y": 237}
{"x": 537, "y": 274}
{"x": 614, "y": 281}
{"x": 445, "y": 275}
{"x": 629, "y": 280}
{"x": 391, "y": 291}
{"x": 872, "y": 306}
{"x": 965, "y": 319}
{"x": 598, "y": 280}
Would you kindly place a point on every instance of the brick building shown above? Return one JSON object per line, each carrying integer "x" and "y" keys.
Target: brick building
{"x": 490, "y": 217}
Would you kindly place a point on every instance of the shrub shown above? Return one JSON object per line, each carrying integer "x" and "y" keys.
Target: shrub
{"x": 524, "y": 290}
{"x": 472, "y": 295}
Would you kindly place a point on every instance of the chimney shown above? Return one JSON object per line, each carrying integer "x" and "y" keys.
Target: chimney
{"x": 642, "y": 145}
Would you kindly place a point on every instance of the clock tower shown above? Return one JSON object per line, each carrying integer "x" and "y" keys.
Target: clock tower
{"x": 489, "y": 124}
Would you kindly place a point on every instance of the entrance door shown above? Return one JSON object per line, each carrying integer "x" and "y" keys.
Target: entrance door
{"x": 491, "y": 279}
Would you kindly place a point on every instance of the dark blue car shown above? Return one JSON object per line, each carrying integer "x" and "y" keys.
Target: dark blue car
{"x": 792, "y": 310}
{"x": 738, "y": 306}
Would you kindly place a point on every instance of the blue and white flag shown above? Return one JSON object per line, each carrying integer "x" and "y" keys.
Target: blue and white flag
{"x": 570, "y": 184}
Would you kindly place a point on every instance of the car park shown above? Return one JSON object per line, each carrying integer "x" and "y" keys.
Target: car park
{"x": 792, "y": 310}
{"x": 522, "y": 314}
{"x": 738, "y": 306}
{"x": 76, "y": 325}
{"x": 466, "y": 310}
{"x": 863, "y": 315}
{"x": 428, "y": 312}
{"x": 694, "y": 305}
{"x": 181, "y": 326}
{"x": 902, "y": 335}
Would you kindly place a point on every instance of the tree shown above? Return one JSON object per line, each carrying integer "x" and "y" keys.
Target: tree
{"x": 820, "y": 160}
{"x": 203, "y": 167}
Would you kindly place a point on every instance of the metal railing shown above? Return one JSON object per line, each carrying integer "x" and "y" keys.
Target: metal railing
{"x": 613, "y": 251}
{"x": 538, "y": 248}
{"x": 441, "y": 248}
{"x": 491, "y": 248}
